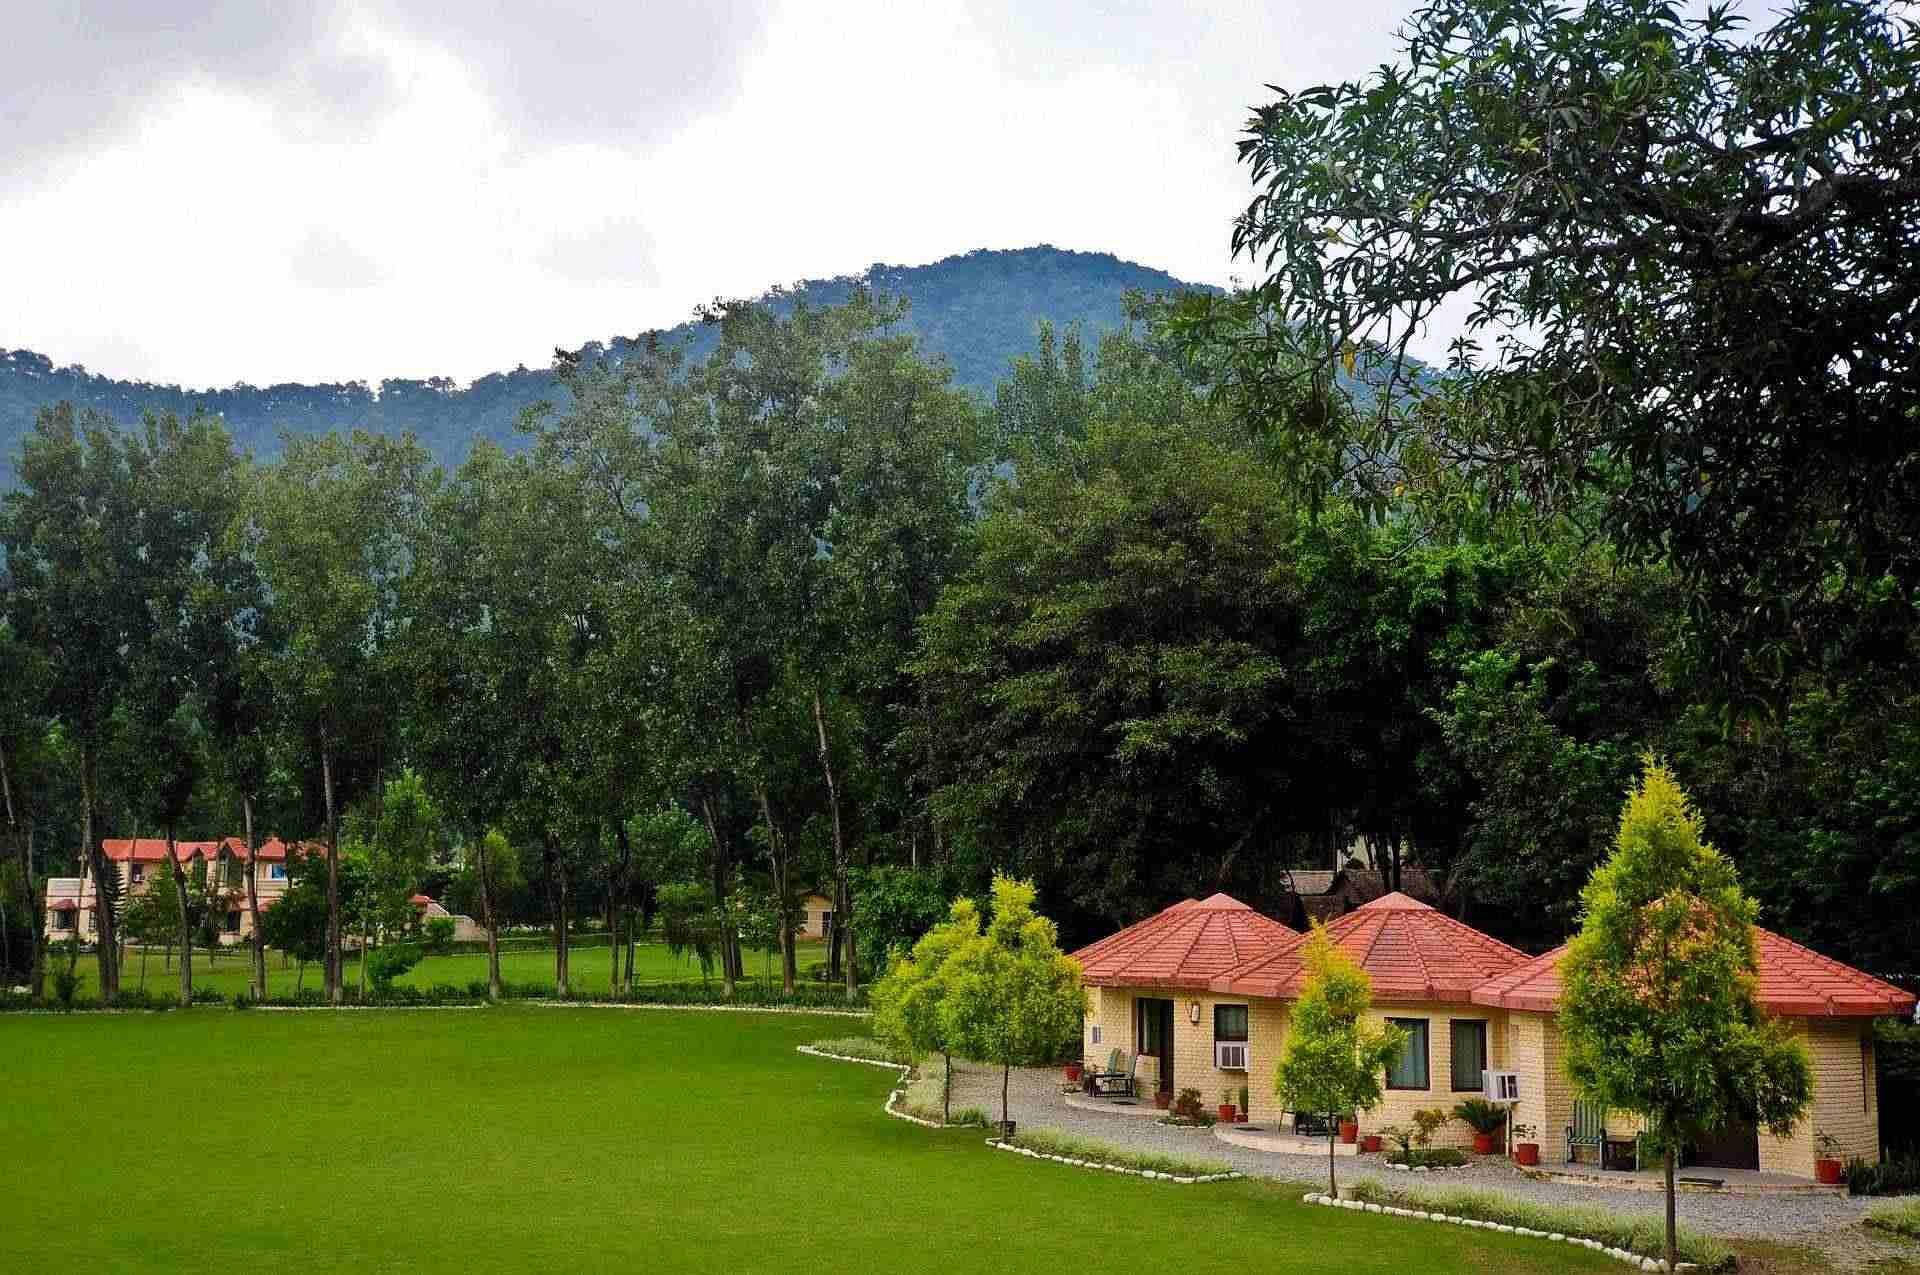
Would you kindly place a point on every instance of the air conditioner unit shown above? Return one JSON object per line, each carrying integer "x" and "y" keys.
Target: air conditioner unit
{"x": 1230, "y": 1055}
{"x": 1501, "y": 1086}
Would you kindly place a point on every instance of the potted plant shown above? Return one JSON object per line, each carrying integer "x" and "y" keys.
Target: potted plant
{"x": 1370, "y": 1144}
{"x": 1073, "y": 1073}
{"x": 1162, "y": 1099}
{"x": 1485, "y": 1119}
{"x": 1349, "y": 1129}
{"x": 1827, "y": 1168}
{"x": 1241, "y": 1118}
{"x": 1525, "y": 1150}
{"x": 1228, "y": 1109}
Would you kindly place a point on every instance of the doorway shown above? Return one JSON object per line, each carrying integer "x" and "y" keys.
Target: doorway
{"x": 1153, "y": 1036}
{"x": 1735, "y": 1145}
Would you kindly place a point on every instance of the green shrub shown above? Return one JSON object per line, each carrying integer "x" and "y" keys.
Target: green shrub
{"x": 438, "y": 934}
{"x": 1902, "y": 1218}
{"x": 1429, "y": 1158}
{"x": 1480, "y": 1115}
{"x": 388, "y": 963}
{"x": 66, "y": 983}
{"x": 1895, "y": 1175}
{"x": 1644, "y": 1234}
{"x": 862, "y": 1047}
{"x": 1047, "y": 1142}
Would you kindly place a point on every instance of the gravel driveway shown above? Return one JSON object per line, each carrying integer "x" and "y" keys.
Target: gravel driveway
{"x": 1036, "y": 1103}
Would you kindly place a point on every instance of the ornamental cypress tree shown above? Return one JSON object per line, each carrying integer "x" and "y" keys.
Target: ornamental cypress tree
{"x": 1331, "y": 1062}
{"x": 907, "y": 1000}
{"x": 1658, "y": 1006}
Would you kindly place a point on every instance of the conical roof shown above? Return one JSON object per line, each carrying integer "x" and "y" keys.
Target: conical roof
{"x": 1411, "y": 951}
{"x": 1793, "y": 980}
{"x": 1183, "y": 946}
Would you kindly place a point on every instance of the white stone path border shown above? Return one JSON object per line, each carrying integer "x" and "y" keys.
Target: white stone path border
{"x": 901, "y": 1090}
{"x": 1421, "y": 1215}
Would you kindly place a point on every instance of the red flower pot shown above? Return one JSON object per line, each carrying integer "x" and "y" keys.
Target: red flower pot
{"x": 1349, "y": 1130}
{"x": 1526, "y": 1153}
{"x": 1370, "y": 1144}
{"x": 1162, "y": 1099}
{"x": 1240, "y": 1117}
{"x": 1073, "y": 1073}
{"x": 1226, "y": 1113}
{"x": 1827, "y": 1172}
{"x": 1483, "y": 1144}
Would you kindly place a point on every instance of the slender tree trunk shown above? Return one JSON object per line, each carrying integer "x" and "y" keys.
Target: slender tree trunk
{"x": 557, "y": 897}
{"x": 186, "y": 927}
{"x": 1673, "y": 1243}
{"x": 487, "y": 915}
{"x": 253, "y": 902}
{"x": 336, "y": 988}
{"x": 782, "y": 864}
{"x": 36, "y": 964}
{"x": 946, "y": 1089}
{"x": 1006, "y": 1080}
{"x": 1333, "y": 1188}
{"x": 843, "y": 897}
{"x": 722, "y": 872}
{"x": 104, "y": 944}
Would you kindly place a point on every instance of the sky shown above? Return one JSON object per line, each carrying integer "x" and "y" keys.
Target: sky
{"x": 215, "y": 191}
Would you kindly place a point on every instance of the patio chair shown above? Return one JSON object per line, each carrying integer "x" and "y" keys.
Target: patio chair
{"x": 1589, "y": 1129}
{"x": 1117, "y": 1080}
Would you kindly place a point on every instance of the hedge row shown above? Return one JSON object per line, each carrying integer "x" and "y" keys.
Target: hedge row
{"x": 756, "y": 995}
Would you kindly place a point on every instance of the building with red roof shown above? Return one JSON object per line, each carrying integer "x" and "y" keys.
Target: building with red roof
{"x": 1198, "y": 996}
{"x": 71, "y": 909}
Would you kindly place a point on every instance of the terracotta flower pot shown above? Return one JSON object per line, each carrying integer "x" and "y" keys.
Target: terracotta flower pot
{"x": 1483, "y": 1144}
{"x": 1226, "y": 1113}
{"x": 1526, "y": 1153}
{"x": 1073, "y": 1073}
{"x": 1162, "y": 1100}
{"x": 1349, "y": 1130}
{"x": 1240, "y": 1117}
{"x": 1370, "y": 1144}
{"x": 1827, "y": 1172}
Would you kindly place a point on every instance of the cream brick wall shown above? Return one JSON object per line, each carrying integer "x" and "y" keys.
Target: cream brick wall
{"x": 1398, "y": 1105}
{"x": 1845, "y": 1098}
{"x": 1534, "y": 1050}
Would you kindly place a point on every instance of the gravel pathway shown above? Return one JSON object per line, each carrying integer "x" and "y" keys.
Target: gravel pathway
{"x": 1036, "y": 1103}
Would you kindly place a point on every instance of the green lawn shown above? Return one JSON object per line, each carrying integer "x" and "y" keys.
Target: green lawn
{"x": 527, "y": 1139}
{"x": 227, "y": 974}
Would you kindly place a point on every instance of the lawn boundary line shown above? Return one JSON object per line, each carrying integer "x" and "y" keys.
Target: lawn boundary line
{"x": 898, "y": 1092}
{"x": 1419, "y": 1215}
{"x": 329, "y": 1009}
{"x": 703, "y": 1009}
{"x": 1155, "y": 1174}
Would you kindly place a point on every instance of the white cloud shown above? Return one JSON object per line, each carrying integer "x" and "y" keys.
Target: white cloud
{"x": 456, "y": 199}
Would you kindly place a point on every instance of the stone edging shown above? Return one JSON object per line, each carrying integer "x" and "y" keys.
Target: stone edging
{"x": 724, "y": 1009}
{"x": 1618, "y": 1254}
{"x": 1155, "y": 1174}
{"x": 898, "y": 1092}
{"x": 1424, "y": 1168}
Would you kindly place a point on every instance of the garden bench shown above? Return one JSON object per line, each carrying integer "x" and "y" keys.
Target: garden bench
{"x": 1117, "y": 1080}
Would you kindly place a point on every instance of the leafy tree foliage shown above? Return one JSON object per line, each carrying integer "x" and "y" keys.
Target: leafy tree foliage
{"x": 1658, "y": 1004}
{"x": 909, "y": 1001}
{"x": 1684, "y": 249}
{"x": 1332, "y": 1061}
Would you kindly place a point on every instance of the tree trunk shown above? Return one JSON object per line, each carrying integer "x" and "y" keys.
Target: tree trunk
{"x": 1006, "y": 1081}
{"x": 946, "y": 1090}
{"x": 336, "y": 989}
{"x": 1333, "y": 1188}
{"x": 1673, "y": 1244}
{"x": 782, "y": 864}
{"x": 557, "y": 900}
{"x": 253, "y": 902}
{"x": 104, "y": 946}
{"x": 843, "y": 898}
{"x": 487, "y": 915}
{"x": 186, "y": 926}
{"x": 722, "y": 871}
{"x": 36, "y": 962}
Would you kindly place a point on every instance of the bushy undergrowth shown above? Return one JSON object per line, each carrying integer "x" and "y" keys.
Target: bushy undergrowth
{"x": 1429, "y": 1158}
{"x": 1895, "y": 1175}
{"x": 1902, "y": 1218}
{"x": 862, "y": 1047}
{"x": 1047, "y": 1142}
{"x": 1642, "y": 1234}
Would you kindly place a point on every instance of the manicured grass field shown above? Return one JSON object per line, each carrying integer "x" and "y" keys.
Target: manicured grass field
{"x": 227, "y": 974}
{"x": 529, "y": 1139}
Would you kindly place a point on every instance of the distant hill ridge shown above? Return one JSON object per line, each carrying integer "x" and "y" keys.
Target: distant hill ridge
{"x": 979, "y": 310}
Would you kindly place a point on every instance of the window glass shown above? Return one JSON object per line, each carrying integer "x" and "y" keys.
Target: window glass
{"x": 1409, "y": 1070}
{"x": 1469, "y": 1054}
{"x": 1229, "y": 1022}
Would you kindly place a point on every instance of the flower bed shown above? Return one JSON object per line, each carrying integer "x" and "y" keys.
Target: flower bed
{"x": 1427, "y": 1158}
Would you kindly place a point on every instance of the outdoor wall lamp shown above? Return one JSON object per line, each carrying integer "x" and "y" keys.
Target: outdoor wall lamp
{"x": 1193, "y": 1012}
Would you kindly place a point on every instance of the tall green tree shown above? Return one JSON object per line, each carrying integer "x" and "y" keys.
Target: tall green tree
{"x": 909, "y": 1000}
{"x": 1658, "y": 1005}
{"x": 1332, "y": 1061}
{"x": 1573, "y": 181}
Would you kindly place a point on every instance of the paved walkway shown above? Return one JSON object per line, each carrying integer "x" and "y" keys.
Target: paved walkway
{"x": 1036, "y": 1102}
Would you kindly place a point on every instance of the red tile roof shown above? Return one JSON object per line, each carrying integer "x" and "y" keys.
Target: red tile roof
{"x": 1184, "y": 946}
{"x": 154, "y": 849}
{"x": 1793, "y": 980}
{"x": 1411, "y": 951}
{"x": 421, "y": 900}
{"x": 63, "y": 905}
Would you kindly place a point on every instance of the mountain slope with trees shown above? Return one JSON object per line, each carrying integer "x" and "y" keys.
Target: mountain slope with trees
{"x": 977, "y": 310}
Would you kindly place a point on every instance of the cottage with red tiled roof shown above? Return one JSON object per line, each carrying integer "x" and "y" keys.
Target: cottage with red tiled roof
{"x": 71, "y": 912}
{"x": 1200, "y": 993}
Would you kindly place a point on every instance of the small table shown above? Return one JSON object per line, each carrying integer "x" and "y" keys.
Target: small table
{"x": 1620, "y": 1154}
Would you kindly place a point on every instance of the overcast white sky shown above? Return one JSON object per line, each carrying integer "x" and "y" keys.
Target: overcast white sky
{"x": 208, "y": 191}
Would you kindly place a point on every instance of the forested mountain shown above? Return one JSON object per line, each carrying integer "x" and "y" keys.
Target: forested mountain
{"x": 977, "y": 310}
